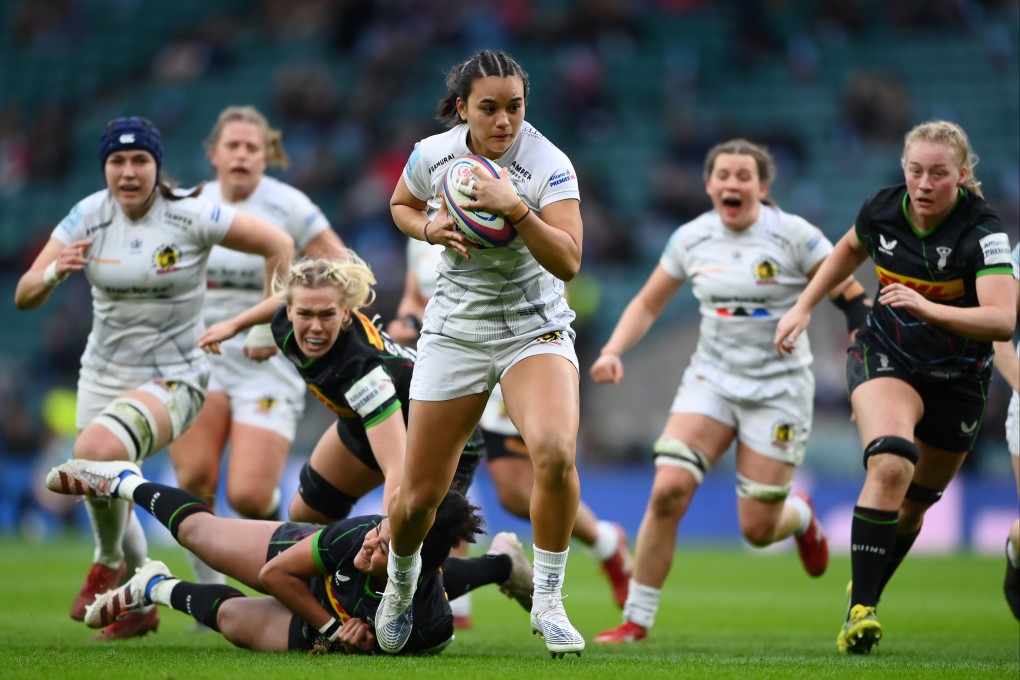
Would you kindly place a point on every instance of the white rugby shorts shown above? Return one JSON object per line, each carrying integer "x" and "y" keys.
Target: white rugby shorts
{"x": 447, "y": 368}
{"x": 777, "y": 427}
{"x": 1013, "y": 425}
{"x": 269, "y": 394}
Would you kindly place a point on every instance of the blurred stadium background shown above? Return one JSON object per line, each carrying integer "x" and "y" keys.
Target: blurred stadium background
{"x": 634, "y": 91}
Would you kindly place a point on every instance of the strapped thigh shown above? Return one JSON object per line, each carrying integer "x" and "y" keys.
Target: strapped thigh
{"x": 131, "y": 421}
{"x": 766, "y": 493}
{"x": 321, "y": 496}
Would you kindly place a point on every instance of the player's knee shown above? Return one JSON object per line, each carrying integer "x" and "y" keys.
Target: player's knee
{"x": 758, "y": 531}
{"x": 671, "y": 496}
{"x": 318, "y": 495}
{"x": 200, "y": 480}
{"x": 130, "y": 422}
{"x": 553, "y": 460}
{"x": 252, "y": 503}
{"x": 890, "y": 461}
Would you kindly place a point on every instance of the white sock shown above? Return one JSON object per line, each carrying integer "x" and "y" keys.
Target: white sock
{"x": 203, "y": 572}
{"x": 607, "y": 541}
{"x": 274, "y": 504}
{"x": 1013, "y": 553}
{"x": 160, "y": 593}
{"x": 128, "y": 483}
{"x": 403, "y": 571}
{"x": 642, "y": 604}
{"x": 804, "y": 510}
{"x": 550, "y": 568}
{"x": 109, "y": 520}
{"x": 461, "y": 606}
{"x": 135, "y": 546}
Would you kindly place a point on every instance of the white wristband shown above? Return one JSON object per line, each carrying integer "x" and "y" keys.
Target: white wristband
{"x": 260, "y": 336}
{"x": 331, "y": 628}
{"x": 50, "y": 276}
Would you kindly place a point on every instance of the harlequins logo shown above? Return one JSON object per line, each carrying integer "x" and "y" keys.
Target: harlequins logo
{"x": 782, "y": 434}
{"x": 166, "y": 258}
{"x": 266, "y": 404}
{"x": 943, "y": 254}
{"x": 765, "y": 271}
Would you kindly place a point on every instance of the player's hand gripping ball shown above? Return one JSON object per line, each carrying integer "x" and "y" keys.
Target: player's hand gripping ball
{"x": 483, "y": 229}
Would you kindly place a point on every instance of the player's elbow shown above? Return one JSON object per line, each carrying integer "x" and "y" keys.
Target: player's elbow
{"x": 270, "y": 576}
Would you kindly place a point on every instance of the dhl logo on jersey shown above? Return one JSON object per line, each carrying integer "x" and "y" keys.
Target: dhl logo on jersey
{"x": 335, "y": 408}
{"x": 933, "y": 290}
{"x": 370, "y": 330}
{"x": 342, "y": 614}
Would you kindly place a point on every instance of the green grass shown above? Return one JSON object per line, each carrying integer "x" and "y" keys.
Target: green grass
{"x": 724, "y": 614}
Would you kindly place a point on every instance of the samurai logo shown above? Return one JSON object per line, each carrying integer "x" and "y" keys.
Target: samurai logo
{"x": 943, "y": 254}
{"x": 166, "y": 258}
{"x": 883, "y": 362}
{"x": 887, "y": 246}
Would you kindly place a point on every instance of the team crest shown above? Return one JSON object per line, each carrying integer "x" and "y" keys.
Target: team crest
{"x": 765, "y": 271}
{"x": 266, "y": 404}
{"x": 166, "y": 258}
{"x": 551, "y": 338}
{"x": 782, "y": 434}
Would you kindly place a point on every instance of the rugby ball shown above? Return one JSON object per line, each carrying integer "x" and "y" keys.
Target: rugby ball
{"x": 483, "y": 229}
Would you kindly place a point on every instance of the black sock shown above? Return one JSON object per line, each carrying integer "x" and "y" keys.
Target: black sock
{"x": 900, "y": 549}
{"x": 872, "y": 536}
{"x": 202, "y": 600}
{"x": 464, "y": 574}
{"x": 168, "y": 504}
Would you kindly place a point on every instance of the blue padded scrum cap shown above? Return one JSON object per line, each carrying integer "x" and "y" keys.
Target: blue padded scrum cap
{"x": 135, "y": 132}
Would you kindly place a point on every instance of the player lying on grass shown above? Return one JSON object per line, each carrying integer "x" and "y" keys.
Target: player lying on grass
{"x": 325, "y": 581}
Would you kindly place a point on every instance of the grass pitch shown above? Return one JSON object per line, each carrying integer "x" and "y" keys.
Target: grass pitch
{"x": 724, "y": 614}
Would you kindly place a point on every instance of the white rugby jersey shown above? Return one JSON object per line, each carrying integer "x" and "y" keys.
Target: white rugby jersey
{"x": 745, "y": 281}
{"x": 498, "y": 293}
{"x": 235, "y": 279}
{"x": 423, "y": 259}
{"x": 148, "y": 279}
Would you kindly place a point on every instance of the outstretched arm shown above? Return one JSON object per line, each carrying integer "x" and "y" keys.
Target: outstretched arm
{"x": 845, "y": 258}
{"x": 634, "y": 324}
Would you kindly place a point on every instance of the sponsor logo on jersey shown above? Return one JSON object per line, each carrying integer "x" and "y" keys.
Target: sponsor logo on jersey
{"x": 179, "y": 220}
{"x": 371, "y": 393}
{"x": 968, "y": 429}
{"x": 887, "y": 246}
{"x": 883, "y": 363}
{"x": 561, "y": 177}
{"x": 341, "y": 411}
{"x": 334, "y": 601}
{"x": 518, "y": 170}
{"x": 758, "y": 312}
{"x": 933, "y": 290}
{"x": 765, "y": 271}
{"x": 943, "y": 256}
{"x": 96, "y": 227}
{"x": 371, "y": 332}
{"x": 166, "y": 258}
{"x": 440, "y": 163}
{"x": 995, "y": 248}
{"x": 782, "y": 434}
{"x": 266, "y": 404}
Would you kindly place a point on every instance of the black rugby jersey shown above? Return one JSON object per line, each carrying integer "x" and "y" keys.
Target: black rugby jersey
{"x": 349, "y": 593}
{"x": 364, "y": 377}
{"x": 943, "y": 265}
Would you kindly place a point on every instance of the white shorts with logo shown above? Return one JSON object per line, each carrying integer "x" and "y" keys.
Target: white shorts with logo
{"x": 269, "y": 394}
{"x": 771, "y": 416}
{"x": 447, "y": 368}
{"x": 181, "y": 392}
{"x": 1013, "y": 425}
